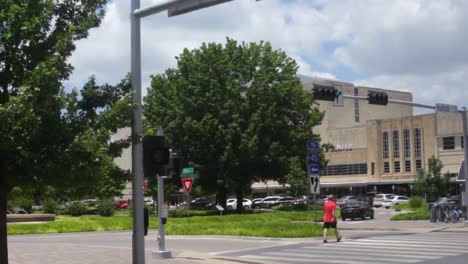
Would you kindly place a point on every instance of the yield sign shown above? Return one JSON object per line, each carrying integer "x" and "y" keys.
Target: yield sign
{"x": 187, "y": 183}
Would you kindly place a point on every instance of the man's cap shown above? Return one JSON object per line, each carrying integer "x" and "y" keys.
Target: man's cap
{"x": 331, "y": 197}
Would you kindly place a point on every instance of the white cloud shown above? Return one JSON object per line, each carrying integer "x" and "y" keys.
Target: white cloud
{"x": 417, "y": 45}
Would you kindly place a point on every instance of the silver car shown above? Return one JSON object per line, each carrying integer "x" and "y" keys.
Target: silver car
{"x": 379, "y": 198}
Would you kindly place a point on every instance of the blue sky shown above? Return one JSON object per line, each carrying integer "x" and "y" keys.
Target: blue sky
{"x": 411, "y": 45}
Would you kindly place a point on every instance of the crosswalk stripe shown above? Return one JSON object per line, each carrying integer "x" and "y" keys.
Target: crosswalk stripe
{"x": 322, "y": 259}
{"x": 402, "y": 244}
{"x": 415, "y": 242}
{"x": 402, "y": 248}
{"x": 342, "y": 256}
{"x": 366, "y": 254}
{"x": 370, "y": 251}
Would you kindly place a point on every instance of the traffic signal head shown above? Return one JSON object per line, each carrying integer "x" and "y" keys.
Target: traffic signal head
{"x": 325, "y": 93}
{"x": 377, "y": 98}
{"x": 155, "y": 155}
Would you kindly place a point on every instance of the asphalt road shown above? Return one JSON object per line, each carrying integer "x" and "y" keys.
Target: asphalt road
{"x": 115, "y": 247}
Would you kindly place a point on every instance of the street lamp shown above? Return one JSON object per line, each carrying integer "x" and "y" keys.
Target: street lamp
{"x": 174, "y": 8}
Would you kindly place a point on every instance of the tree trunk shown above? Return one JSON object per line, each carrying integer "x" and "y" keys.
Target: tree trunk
{"x": 240, "y": 198}
{"x": 3, "y": 227}
{"x": 221, "y": 196}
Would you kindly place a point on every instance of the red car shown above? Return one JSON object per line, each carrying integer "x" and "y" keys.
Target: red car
{"x": 121, "y": 204}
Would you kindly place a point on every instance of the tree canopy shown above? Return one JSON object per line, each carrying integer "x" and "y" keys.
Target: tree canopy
{"x": 237, "y": 111}
{"x": 47, "y": 136}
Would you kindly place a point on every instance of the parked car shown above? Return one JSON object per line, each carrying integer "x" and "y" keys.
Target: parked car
{"x": 356, "y": 209}
{"x": 256, "y": 203}
{"x": 344, "y": 199}
{"x": 287, "y": 200}
{"x": 303, "y": 200}
{"x": 397, "y": 199}
{"x": 321, "y": 201}
{"x": 448, "y": 201}
{"x": 379, "y": 198}
{"x": 201, "y": 203}
{"x": 367, "y": 198}
{"x": 232, "y": 203}
{"x": 148, "y": 201}
{"x": 89, "y": 202}
{"x": 268, "y": 202}
{"x": 121, "y": 204}
{"x": 179, "y": 205}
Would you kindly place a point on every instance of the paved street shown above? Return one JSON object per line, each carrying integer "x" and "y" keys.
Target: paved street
{"x": 434, "y": 247}
{"x": 364, "y": 241}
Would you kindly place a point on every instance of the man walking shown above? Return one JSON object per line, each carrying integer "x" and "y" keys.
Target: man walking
{"x": 329, "y": 218}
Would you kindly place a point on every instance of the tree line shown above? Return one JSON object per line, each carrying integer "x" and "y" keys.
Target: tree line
{"x": 236, "y": 110}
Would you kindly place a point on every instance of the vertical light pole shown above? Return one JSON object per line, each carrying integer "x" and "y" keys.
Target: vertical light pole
{"x": 465, "y": 149}
{"x": 174, "y": 8}
{"x": 138, "y": 237}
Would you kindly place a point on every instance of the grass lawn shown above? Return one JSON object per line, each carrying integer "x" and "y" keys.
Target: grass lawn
{"x": 421, "y": 213}
{"x": 273, "y": 224}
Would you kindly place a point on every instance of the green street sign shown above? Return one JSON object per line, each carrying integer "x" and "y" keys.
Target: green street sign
{"x": 187, "y": 170}
{"x": 190, "y": 175}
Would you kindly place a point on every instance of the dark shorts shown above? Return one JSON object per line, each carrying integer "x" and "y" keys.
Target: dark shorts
{"x": 329, "y": 225}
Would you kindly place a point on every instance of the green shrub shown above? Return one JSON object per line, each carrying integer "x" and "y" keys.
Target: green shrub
{"x": 76, "y": 209}
{"x": 50, "y": 206}
{"x": 416, "y": 202}
{"x": 25, "y": 204}
{"x": 295, "y": 207}
{"x": 105, "y": 207}
{"x": 419, "y": 214}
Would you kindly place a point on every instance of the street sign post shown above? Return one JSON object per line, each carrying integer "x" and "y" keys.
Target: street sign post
{"x": 187, "y": 183}
{"x": 190, "y": 175}
{"x": 187, "y": 170}
{"x": 313, "y": 170}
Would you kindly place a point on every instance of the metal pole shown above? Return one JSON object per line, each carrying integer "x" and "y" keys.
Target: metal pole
{"x": 365, "y": 98}
{"x": 315, "y": 207}
{"x": 161, "y": 253}
{"x": 161, "y": 238}
{"x": 465, "y": 148}
{"x": 138, "y": 242}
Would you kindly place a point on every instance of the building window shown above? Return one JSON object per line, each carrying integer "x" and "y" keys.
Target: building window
{"x": 385, "y": 144}
{"x": 396, "y": 144}
{"x": 448, "y": 143}
{"x": 356, "y": 105}
{"x": 372, "y": 168}
{"x": 417, "y": 142}
{"x": 418, "y": 164}
{"x": 396, "y": 166}
{"x": 406, "y": 143}
{"x": 462, "y": 142}
{"x": 345, "y": 169}
{"x": 386, "y": 167}
{"x": 407, "y": 165}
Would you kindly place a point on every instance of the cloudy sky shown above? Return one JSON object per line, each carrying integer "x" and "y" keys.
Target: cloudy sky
{"x": 412, "y": 45}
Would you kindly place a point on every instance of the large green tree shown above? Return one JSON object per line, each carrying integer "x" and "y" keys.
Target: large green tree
{"x": 46, "y": 136}
{"x": 237, "y": 111}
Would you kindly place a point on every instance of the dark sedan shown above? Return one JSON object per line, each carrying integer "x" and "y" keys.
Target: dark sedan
{"x": 201, "y": 203}
{"x": 356, "y": 209}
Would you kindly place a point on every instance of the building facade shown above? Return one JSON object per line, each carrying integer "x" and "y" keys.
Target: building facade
{"x": 382, "y": 148}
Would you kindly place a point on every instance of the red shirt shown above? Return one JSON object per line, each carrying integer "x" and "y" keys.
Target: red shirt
{"x": 329, "y": 209}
